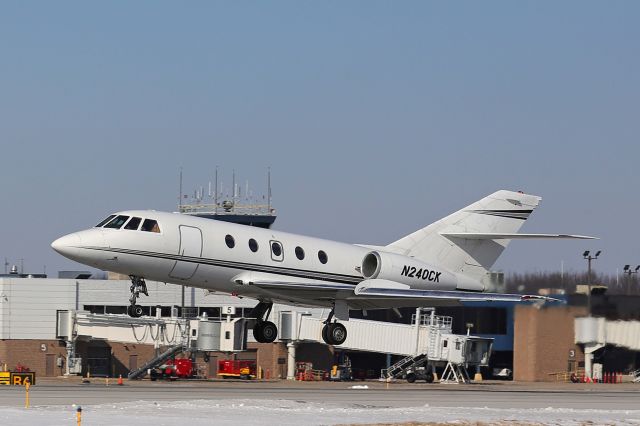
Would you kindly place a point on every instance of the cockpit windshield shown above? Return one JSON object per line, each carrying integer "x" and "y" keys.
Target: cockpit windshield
{"x": 117, "y": 222}
{"x": 133, "y": 223}
{"x": 105, "y": 220}
{"x": 150, "y": 225}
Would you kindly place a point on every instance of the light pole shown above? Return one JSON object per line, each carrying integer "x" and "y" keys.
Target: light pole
{"x": 589, "y": 258}
{"x": 627, "y": 270}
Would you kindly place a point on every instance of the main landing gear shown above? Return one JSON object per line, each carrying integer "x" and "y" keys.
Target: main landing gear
{"x": 333, "y": 333}
{"x": 263, "y": 331}
{"x": 138, "y": 285}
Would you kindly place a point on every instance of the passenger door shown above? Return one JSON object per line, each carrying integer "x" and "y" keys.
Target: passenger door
{"x": 191, "y": 249}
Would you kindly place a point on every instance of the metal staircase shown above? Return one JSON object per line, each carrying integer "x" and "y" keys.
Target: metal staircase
{"x": 404, "y": 365}
{"x": 142, "y": 371}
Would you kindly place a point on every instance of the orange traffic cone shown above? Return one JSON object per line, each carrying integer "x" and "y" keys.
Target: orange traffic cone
{"x": 120, "y": 381}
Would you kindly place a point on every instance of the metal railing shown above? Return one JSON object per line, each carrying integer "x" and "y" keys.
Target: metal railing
{"x": 226, "y": 207}
{"x": 189, "y": 312}
{"x": 438, "y": 321}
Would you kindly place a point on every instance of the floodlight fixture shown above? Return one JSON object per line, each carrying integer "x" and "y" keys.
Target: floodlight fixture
{"x": 626, "y": 267}
{"x": 598, "y": 253}
{"x": 637, "y": 267}
{"x": 586, "y": 253}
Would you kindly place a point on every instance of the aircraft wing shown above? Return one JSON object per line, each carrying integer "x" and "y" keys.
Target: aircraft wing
{"x": 498, "y": 236}
{"x": 298, "y": 285}
{"x": 384, "y": 289}
{"x": 376, "y": 292}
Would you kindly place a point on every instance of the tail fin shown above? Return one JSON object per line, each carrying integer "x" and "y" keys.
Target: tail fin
{"x": 502, "y": 212}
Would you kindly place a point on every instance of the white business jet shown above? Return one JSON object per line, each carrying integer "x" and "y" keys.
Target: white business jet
{"x": 444, "y": 263}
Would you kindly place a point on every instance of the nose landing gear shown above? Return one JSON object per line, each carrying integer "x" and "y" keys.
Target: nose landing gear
{"x": 138, "y": 285}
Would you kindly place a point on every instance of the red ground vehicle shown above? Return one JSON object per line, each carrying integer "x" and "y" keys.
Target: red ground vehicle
{"x": 242, "y": 369}
{"x": 180, "y": 368}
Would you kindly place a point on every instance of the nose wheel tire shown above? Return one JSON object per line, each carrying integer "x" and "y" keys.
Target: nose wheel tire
{"x": 334, "y": 333}
{"x": 134, "y": 311}
{"x": 265, "y": 332}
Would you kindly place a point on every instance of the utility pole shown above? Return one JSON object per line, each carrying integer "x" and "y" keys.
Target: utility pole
{"x": 180, "y": 193}
{"x": 586, "y": 255}
{"x": 627, "y": 271}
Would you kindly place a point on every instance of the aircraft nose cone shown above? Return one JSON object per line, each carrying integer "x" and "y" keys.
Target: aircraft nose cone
{"x": 64, "y": 244}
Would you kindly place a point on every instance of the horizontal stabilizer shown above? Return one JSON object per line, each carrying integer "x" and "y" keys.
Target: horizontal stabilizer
{"x": 391, "y": 289}
{"x": 513, "y": 236}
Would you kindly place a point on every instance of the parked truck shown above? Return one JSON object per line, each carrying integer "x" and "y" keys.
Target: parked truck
{"x": 239, "y": 369}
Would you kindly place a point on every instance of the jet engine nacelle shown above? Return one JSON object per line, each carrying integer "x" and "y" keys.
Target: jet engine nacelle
{"x": 407, "y": 270}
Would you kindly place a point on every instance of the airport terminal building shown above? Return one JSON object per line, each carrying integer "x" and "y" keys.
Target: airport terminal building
{"x": 536, "y": 343}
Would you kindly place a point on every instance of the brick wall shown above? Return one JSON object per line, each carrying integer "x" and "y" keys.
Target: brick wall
{"x": 267, "y": 358}
{"x": 30, "y": 353}
{"x": 120, "y": 355}
{"x": 542, "y": 341}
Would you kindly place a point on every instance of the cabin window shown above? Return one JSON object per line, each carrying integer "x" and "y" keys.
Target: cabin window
{"x": 299, "y": 252}
{"x": 117, "y": 222}
{"x": 277, "y": 253}
{"x": 105, "y": 220}
{"x": 253, "y": 245}
{"x": 322, "y": 257}
{"x": 276, "y": 248}
{"x": 133, "y": 223}
{"x": 150, "y": 225}
{"x": 230, "y": 241}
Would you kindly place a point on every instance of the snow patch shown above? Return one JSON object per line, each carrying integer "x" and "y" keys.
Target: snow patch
{"x": 287, "y": 412}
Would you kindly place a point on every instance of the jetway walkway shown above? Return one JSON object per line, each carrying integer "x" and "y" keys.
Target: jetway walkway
{"x": 595, "y": 333}
{"x": 427, "y": 341}
{"x": 591, "y": 330}
{"x": 427, "y": 335}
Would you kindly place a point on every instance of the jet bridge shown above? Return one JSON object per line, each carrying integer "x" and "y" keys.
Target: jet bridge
{"x": 428, "y": 341}
{"x": 173, "y": 334}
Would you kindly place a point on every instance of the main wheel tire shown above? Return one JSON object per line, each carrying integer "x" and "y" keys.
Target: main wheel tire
{"x": 411, "y": 377}
{"x": 257, "y": 332}
{"x": 269, "y": 332}
{"x": 129, "y": 311}
{"x": 429, "y": 377}
{"x": 336, "y": 333}
{"x": 325, "y": 336}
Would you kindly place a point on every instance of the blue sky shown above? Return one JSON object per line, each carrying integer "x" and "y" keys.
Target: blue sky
{"x": 376, "y": 118}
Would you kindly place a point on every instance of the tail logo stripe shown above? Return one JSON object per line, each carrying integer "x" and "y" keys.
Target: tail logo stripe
{"x": 511, "y": 214}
